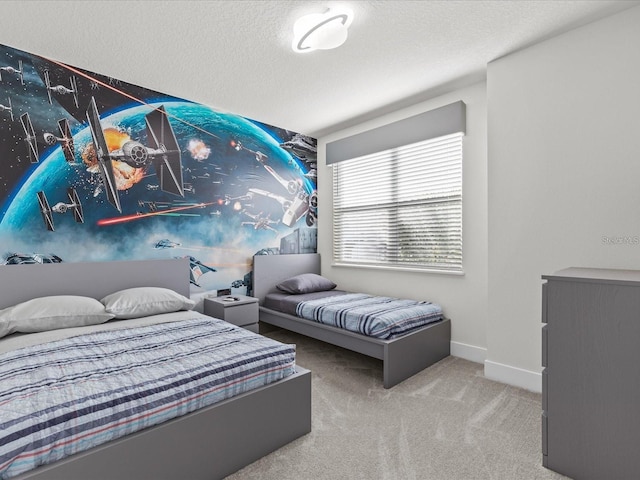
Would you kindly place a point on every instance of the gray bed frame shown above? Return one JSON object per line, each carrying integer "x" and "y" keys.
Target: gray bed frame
{"x": 402, "y": 357}
{"x": 210, "y": 443}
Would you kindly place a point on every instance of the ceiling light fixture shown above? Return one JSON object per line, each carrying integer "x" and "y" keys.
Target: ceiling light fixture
{"x": 321, "y": 31}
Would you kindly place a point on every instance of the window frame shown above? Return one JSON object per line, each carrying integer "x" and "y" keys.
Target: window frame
{"x": 454, "y": 259}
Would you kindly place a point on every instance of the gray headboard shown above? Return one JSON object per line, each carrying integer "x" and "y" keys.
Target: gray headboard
{"x": 19, "y": 283}
{"x": 269, "y": 270}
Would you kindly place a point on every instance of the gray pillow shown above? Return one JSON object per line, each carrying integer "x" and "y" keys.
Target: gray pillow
{"x": 306, "y": 283}
{"x": 144, "y": 301}
{"x": 51, "y": 313}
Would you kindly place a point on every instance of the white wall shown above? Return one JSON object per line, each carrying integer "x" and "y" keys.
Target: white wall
{"x": 564, "y": 172}
{"x": 463, "y": 298}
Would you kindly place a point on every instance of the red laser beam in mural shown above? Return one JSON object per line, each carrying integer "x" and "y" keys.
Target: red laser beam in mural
{"x": 125, "y": 94}
{"x": 137, "y": 216}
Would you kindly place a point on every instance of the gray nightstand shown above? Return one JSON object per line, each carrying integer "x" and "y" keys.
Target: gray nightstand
{"x": 237, "y": 309}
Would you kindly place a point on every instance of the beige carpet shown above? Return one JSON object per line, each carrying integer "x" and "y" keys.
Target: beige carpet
{"x": 446, "y": 423}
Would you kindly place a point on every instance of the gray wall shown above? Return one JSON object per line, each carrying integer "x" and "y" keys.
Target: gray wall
{"x": 564, "y": 169}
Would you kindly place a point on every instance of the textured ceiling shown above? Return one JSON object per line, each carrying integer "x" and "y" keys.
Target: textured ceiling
{"x": 235, "y": 56}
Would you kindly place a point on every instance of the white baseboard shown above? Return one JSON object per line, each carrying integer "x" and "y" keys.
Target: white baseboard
{"x": 515, "y": 376}
{"x": 468, "y": 352}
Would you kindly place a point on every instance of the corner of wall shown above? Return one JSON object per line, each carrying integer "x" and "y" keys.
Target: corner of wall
{"x": 514, "y": 376}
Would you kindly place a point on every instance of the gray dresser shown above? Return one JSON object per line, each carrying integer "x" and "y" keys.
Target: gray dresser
{"x": 591, "y": 376}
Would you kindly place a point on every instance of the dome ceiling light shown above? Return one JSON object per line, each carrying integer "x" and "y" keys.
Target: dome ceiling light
{"x": 321, "y": 31}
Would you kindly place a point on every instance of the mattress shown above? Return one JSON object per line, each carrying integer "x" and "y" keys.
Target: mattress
{"x": 94, "y": 384}
{"x": 374, "y": 316}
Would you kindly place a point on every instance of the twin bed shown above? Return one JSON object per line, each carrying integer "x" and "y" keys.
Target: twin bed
{"x": 404, "y": 353}
{"x": 216, "y": 397}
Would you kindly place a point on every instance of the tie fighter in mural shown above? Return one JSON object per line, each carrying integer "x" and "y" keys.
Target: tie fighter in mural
{"x": 7, "y": 108}
{"x": 10, "y": 69}
{"x": 30, "y": 138}
{"x": 61, "y": 89}
{"x": 164, "y": 153}
{"x": 65, "y": 140}
{"x": 74, "y": 205}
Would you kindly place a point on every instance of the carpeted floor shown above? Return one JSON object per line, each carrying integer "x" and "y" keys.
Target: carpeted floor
{"x": 446, "y": 423}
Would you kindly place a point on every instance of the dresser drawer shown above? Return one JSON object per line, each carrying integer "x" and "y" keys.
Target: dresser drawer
{"x": 544, "y": 303}
{"x": 545, "y": 392}
{"x": 545, "y": 349}
{"x": 238, "y": 310}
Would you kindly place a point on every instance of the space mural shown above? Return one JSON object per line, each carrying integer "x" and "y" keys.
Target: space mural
{"x": 95, "y": 169}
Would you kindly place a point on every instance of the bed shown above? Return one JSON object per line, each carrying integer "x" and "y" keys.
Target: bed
{"x": 402, "y": 356}
{"x": 209, "y": 442}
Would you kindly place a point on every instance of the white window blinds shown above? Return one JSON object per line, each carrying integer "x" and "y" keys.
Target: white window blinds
{"x": 401, "y": 207}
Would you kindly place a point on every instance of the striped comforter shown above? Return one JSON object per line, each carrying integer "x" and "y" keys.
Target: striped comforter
{"x": 374, "y": 316}
{"x": 66, "y": 396}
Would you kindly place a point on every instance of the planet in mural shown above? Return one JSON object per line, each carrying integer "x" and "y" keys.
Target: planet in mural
{"x": 244, "y": 191}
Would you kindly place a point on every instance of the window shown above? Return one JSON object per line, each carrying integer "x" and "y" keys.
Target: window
{"x": 401, "y": 208}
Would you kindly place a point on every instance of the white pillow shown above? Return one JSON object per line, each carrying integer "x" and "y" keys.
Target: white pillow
{"x": 144, "y": 301}
{"x": 51, "y": 313}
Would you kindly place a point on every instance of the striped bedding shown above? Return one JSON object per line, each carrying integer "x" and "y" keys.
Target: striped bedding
{"x": 374, "y": 316}
{"x": 66, "y": 396}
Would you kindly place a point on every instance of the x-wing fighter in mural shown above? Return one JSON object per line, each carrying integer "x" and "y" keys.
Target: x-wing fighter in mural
{"x": 294, "y": 208}
{"x": 7, "y": 108}
{"x": 74, "y": 205}
{"x": 17, "y": 71}
{"x": 259, "y": 222}
{"x": 61, "y": 89}
{"x": 163, "y": 153}
{"x": 65, "y": 140}
{"x": 30, "y": 138}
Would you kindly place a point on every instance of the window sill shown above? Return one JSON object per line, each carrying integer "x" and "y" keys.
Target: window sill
{"x": 399, "y": 269}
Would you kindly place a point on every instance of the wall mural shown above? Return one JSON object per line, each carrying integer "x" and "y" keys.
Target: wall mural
{"x": 95, "y": 169}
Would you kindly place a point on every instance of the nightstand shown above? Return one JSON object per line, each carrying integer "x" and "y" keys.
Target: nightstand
{"x": 237, "y": 309}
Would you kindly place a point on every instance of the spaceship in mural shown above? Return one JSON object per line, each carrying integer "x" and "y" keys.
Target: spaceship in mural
{"x": 312, "y": 174}
{"x": 29, "y": 258}
{"x": 260, "y": 222}
{"x": 7, "y": 108}
{"x": 302, "y": 146}
{"x": 74, "y": 205}
{"x": 30, "y": 138}
{"x": 197, "y": 269}
{"x": 164, "y": 153}
{"x": 17, "y": 71}
{"x": 294, "y": 208}
{"x": 65, "y": 140}
{"x": 166, "y": 243}
{"x": 61, "y": 89}
{"x": 238, "y": 146}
